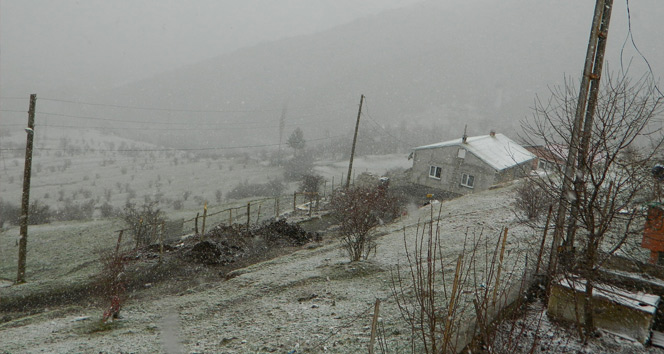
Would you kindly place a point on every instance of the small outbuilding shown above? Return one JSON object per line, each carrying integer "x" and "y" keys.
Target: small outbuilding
{"x": 470, "y": 164}
{"x": 616, "y": 310}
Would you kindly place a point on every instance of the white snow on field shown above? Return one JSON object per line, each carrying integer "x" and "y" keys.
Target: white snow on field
{"x": 261, "y": 309}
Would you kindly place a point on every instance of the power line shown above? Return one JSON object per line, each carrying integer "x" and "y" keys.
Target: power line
{"x": 174, "y": 149}
{"x": 630, "y": 36}
{"x": 13, "y": 98}
{"x": 188, "y": 110}
{"x": 383, "y": 129}
{"x": 153, "y": 129}
{"x": 166, "y": 123}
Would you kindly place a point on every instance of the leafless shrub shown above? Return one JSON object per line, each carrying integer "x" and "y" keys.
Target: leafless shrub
{"x": 76, "y": 211}
{"x": 247, "y": 190}
{"x": 143, "y": 222}
{"x": 452, "y": 301}
{"x": 39, "y": 213}
{"x": 359, "y": 210}
{"x": 532, "y": 200}
{"x": 9, "y": 213}
{"x": 112, "y": 282}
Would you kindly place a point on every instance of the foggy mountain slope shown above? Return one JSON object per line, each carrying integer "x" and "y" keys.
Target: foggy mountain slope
{"x": 477, "y": 64}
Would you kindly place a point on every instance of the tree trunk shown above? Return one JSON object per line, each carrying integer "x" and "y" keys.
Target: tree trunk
{"x": 589, "y": 264}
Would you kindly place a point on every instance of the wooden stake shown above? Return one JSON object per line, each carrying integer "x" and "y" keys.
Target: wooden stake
{"x": 294, "y": 200}
{"x": 450, "y": 306}
{"x": 140, "y": 232}
{"x": 196, "y": 224}
{"x": 161, "y": 241}
{"x": 117, "y": 247}
{"x": 500, "y": 266}
{"x": 204, "y": 218}
{"x": 248, "y": 214}
{"x": 374, "y": 323}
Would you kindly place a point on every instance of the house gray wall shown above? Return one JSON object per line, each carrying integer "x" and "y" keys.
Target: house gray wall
{"x": 453, "y": 167}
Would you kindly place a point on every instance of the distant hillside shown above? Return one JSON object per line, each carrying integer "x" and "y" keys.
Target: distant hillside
{"x": 481, "y": 65}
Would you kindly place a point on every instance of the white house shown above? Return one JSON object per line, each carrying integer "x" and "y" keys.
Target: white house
{"x": 470, "y": 164}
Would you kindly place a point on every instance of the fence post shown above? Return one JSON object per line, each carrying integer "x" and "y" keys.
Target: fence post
{"x": 117, "y": 247}
{"x": 139, "y": 234}
{"x": 248, "y": 214}
{"x": 196, "y": 224}
{"x": 500, "y": 265}
{"x": 204, "y": 217}
{"x": 161, "y": 241}
{"x": 276, "y": 208}
{"x": 374, "y": 323}
{"x": 230, "y": 217}
{"x": 258, "y": 217}
{"x": 294, "y": 206}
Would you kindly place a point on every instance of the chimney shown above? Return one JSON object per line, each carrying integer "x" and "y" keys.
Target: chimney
{"x": 492, "y": 133}
{"x": 464, "y": 137}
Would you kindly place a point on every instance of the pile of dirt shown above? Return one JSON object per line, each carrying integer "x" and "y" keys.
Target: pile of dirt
{"x": 226, "y": 244}
{"x": 282, "y": 233}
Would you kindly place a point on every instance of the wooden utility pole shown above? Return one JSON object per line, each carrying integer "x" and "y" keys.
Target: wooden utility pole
{"x": 25, "y": 200}
{"x": 282, "y": 125}
{"x": 352, "y": 151}
{"x": 593, "y": 57}
{"x": 586, "y": 134}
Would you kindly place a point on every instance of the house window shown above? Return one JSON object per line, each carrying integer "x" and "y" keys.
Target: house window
{"x": 543, "y": 165}
{"x": 435, "y": 171}
{"x": 467, "y": 180}
{"x": 461, "y": 153}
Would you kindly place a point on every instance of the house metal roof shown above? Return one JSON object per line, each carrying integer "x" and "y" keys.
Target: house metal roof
{"x": 498, "y": 151}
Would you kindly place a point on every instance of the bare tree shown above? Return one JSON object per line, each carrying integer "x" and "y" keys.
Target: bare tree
{"x": 143, "y": 222}
{"x": 359, "y": 210}
{"x": 610, "y": 175}
{"x": 455, "y": 301}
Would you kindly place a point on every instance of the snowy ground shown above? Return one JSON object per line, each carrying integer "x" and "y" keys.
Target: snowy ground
{"x": 312, "y": 300}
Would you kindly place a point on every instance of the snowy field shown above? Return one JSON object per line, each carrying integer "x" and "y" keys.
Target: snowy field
{"x": 312, "y": 300}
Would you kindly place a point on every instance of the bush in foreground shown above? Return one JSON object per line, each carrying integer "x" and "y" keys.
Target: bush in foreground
{"x": 359, "y": 210}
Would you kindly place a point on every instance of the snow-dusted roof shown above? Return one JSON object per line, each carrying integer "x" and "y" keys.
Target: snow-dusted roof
{"x": 498, "y": 151}
{"x": 636, "y": 300}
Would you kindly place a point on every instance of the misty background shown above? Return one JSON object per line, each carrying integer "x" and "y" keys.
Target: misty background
{"x": 219, "y": 74}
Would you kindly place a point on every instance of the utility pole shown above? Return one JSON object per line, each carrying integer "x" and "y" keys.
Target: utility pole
{"x": 591, "y": 72}
{"x": 25, "y": 200}
{"x": 586, "y": 135}
{"x": 352, "y": 152}
{"x": 282, "y": 125}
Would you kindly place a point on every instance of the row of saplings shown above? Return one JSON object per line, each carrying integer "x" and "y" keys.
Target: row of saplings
{"x": 358, "y": 210}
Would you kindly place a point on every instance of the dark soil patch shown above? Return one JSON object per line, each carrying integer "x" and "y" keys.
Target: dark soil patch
{"x": 187, "y": 263}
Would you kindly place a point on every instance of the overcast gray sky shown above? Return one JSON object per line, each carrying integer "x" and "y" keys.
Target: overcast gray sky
{"x": 93, "y": 44}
